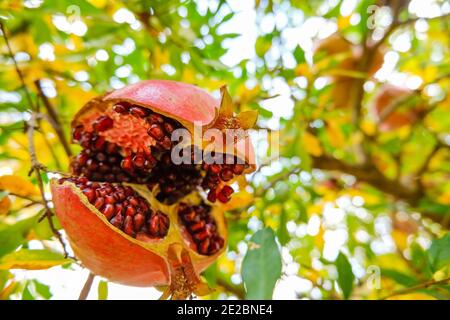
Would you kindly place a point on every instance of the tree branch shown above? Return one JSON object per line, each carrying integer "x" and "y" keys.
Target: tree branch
{"x": 417, "y": 287}
{"x": 370, "y": 174}
{"x": 30, "y": 126}
{"x": 54, "y": 119}
{"x": 238, "y": 291}
{"x": 87, "y": 287}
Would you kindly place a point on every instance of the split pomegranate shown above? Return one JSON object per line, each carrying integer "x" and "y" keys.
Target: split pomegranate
{"x": 132, "y": 211}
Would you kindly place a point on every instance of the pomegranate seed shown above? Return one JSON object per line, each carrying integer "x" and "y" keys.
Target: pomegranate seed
{"x": 82, "y": 158}
{"x": 117, "y": 221}
{"x": 200, "y": 236}
{"x": 138, "y": 161}
{"x": 226, "y": 174}
{"x": 204, "y": 246}
{"x": 103, "y": 123}
{"x": 214, "y": 168}
{"x": 227, "y": 191}
{"x": 128, "y": 226}
{"x": 100, "y": 156}
{"x": 156, "y": 132}
{"x": 223, "y": 196}
{"x": 168, "y": 127}
{"x": 99, "y": 143}
{"x": 138, "y": 112}
{"x": 197, "y": 226}
{"x": 212, "y": 195}
{"x": 155, "y": 118}
{"x": 121, "y": 108}
{"x": 90, "y": 194}
{"x": 130, "y": 211}
{"x": 166, "y": 144}
{"x": 133, "y": 201}
{"x": 138, "y": 221}
{"x": 214, "y": 247}
{"x": 108, "y": 211}
{"x": 238, "y": 169}
{"x": 127, "y": 163}
{"x": 78, "y": 133}
{"x": 110, "y": 148}
{"x": 99, "y": 203}
{"x": 119, "y": 209}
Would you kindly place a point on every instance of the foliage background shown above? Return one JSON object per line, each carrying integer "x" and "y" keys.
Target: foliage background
{"x": 347, "y": 211}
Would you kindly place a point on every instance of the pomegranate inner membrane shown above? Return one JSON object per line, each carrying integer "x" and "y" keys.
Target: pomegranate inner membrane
{"x": 129, "y": 143}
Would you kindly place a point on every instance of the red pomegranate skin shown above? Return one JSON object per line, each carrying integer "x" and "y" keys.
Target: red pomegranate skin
{"x": 178, "y": 100}
{"x": 103, "y": 249}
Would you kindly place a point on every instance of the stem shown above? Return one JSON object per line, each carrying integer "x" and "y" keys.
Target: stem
{"x": 30, "y": 126}
{"x": 87, "y": 287}
{"x": 25, "y": 198}
{"x": 238, "y": 291}
{"x": 16, "y": 65}
{"x": 36, "y": 167}
{"x": 417, "y": 287}
{"x": 54, "y": 119}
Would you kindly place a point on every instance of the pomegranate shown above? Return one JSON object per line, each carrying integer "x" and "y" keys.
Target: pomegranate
{"x": 388, "y": 96}
{"x": 134, "y": 213}
{"x": 348, "y": 58}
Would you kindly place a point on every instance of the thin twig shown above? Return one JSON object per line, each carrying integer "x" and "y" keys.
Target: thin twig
{"x": 55, "y": 122}
{"x": 31, "y": 125}
{"x": 16, "y": 65}
{"x": 87, "y": 287}
{"x": 36, "y": 167}
{"x": 238, "y": 291}
{"x": 25, "y": 198}
{"x": 417, "y": 287}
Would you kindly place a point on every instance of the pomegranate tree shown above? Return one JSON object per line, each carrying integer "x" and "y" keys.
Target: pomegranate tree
{"x": 132, "y": 211}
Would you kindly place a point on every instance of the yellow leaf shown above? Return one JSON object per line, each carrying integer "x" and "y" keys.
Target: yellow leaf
{"x": 343, "y": 22}
{"x": 400, "y": 239}
{"x": 239, "y": 200}
{"x": 302, "y": 70}
{"x": 98, "y": 3}
{"x": 318, "y": 240}
{"x": 412, "y": 296}
{"x": 18, "y": 185}
{"x": 188, "y": 75}
{"x": 246, "y": 94}
{"x": 312, "y": 144}
{"x": 31, "y": 260}
{"x": 160, "y": 57}
{"x": 335, "y": 134}
{"x": 5, "y": 205}
{"x": 368, "y": 127}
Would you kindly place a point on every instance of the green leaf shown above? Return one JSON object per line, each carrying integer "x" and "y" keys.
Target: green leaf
{"x": 399, "y": 277}
{"x": 26, "y": 294}
{"x": 32, "y": 260}
{"x": 299, "y": 55}
{"x": 103, "y": 290}
{"x": 210, "y": 274}
{"x": 261, "y": 267}
{"x": 439, "y": 253}
{"x": 345, "y": 275}
{"x": 13, "y": 235}
{"x": 282, "y": 232}
{"x": 42, "y": 289}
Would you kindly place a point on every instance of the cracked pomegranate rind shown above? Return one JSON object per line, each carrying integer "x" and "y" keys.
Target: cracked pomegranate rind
{"x": 131, "y": 213}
